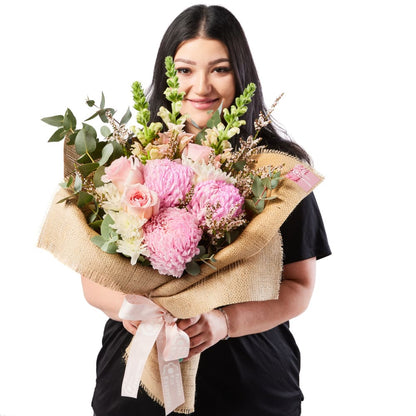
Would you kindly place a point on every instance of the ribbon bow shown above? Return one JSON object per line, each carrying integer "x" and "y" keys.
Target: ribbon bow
{"x": 304, "y": 177}
{"x": 157, "y": 325}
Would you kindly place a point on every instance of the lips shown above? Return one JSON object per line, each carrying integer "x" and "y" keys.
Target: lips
{"x": 203, "y": 104}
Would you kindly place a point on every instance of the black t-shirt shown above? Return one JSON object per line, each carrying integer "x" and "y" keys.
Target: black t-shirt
{"x": 247, "y": 376}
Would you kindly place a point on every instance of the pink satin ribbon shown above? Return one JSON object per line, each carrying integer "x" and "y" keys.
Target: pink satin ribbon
{"x": 305, "y": 178}
{"x": 157, "y": 325}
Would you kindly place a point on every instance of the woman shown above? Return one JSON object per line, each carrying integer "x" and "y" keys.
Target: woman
{"x": 256, "y": 370}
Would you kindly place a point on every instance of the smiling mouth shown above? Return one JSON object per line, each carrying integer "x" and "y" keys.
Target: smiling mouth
{"x": 204, "y": 103}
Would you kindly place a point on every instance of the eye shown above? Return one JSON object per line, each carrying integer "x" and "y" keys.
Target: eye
{"x": 222, "y": 69}
{"x": 183, "y": 71}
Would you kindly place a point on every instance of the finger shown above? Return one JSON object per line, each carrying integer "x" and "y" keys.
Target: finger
{"x": 131, "y": 326}
{"x": 186, "y": 323}
{"x": 197, "y": 340}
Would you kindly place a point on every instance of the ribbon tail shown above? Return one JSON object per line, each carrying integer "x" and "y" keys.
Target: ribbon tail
{"x": 171, "y": 378}
{"x": 140, "y": 348}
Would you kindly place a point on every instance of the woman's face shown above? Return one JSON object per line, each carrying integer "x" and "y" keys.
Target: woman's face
{"x": 207, "y": 78}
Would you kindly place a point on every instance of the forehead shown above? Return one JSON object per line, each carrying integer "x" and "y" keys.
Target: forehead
{"x": 201, "y": 51}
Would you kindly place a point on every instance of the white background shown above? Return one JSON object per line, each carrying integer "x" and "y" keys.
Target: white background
{"x": 348, "y": 72}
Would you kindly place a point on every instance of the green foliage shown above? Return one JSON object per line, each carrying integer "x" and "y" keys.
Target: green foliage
{"x": 260, "y": 188}
{"x": 107, "y": 241}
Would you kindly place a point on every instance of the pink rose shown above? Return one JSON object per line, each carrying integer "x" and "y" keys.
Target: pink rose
{"x": 139, "y": 200}
{"x": 124, "y": 172}
{"x": 198, "y": 153}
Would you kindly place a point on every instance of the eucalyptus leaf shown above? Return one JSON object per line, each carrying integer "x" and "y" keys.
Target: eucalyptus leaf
{"x": 106, "y": 231}
{"x": 84, "y": 198}
{"x": 58, "y": 135}
{"x": 257, "y": 186}
{"x": 102, "y": 115}
{"x": 105, "y": 131}
{"x": 69, "y": 122}
{"x": 193, "y": 268}
{"x": 97, "y": 176}
{"x": 126, "y": 117}
{"x": 106, "y": 153}
{"x": 77, "y": 183}
{"x": 72, "y": 137}
{"x": 90, "y": 103}
{"x": 98, "y": 240}
{"x": 88, "y": 168}
{"x": 200, "y": 136}
{"x": 102, "y": 103}
{"x": 86, "y": 140}
{"x": 214, "y": 120}
{"x": 109, "y": 247}
{"x": 56, "y": 121}
{"x": 98, "y": 112}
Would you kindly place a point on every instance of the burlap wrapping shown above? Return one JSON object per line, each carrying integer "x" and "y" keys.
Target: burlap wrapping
{"x": 249, "y": 269}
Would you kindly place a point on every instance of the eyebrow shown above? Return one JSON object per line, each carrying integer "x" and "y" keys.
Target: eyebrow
{"x": 214, "y": 62}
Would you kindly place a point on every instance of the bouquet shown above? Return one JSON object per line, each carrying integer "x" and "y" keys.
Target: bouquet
{"x": 159, "y": 195}
{"x": 180, "y": 223}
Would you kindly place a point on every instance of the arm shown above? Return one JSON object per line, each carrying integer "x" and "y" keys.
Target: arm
{"x": 109, "y": 301}
{"x": 253, "y": 317}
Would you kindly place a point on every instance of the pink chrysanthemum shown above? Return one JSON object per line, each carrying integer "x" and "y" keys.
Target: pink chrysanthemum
{"x": 219, "y": 196}
{"x": 172, "y": 239}
{"x": 169, "y": 179}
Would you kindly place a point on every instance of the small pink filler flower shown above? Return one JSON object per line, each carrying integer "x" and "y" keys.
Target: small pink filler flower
{"x": 220, "y": 195}
{"x": 172, "y": 239}
{"x": 169, "y": 179}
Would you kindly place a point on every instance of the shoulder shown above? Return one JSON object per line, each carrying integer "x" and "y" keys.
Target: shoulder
{"x": 303, "y": 233}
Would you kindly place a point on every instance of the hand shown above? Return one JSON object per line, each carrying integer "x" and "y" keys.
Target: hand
{"x": 204, "y": 330}
{"x": 131, "y": 326}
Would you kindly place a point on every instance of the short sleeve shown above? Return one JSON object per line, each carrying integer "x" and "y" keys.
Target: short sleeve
{"x": 303, "y": 233}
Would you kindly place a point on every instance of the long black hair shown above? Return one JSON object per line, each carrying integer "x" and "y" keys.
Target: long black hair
{"x": 216, "y": 22}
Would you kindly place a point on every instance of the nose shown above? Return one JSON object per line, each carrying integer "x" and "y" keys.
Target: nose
{"x": 202, "y": 85}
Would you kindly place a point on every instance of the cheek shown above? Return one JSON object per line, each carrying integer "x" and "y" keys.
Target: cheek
{"x": 228, "y": 91}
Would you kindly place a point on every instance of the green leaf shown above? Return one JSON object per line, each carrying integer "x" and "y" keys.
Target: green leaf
{"x": 102, "y": 103}
{"x": 257, "y": 186}
{"x": 95, "y": 225}
{"x": 77, "y": 184}
{"x": 84, "y": 198}
{"x": 106, "y": 231}
{"x": 97, "y": 176}
{"x": 58, "y": 135}
{"x": 251, "y": 206}
{"x": 126, "y": 117}
{"x": 88, "y": 168}
{"x": 109, "y": 247}
{"x": 102, "y": 115}
{"x": 90, "y": 103}
{"x": 72, "y": 137}
{"x": 67, "y": 184}
{"x": 106, "y": 154}
{"x": 200, "y": 136}
{"x": 105, "y": 131}
{"x": 86, "y": 140}
{"x": 214, "y": 120}
{"x": 69, "y": 122}
{"x": 98, "y": 240}
{"x": 238, "y": 166}
{"x": 56, "y": 121}
{"x": 97, "y": 113}
{"x": 193, "y": 268}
